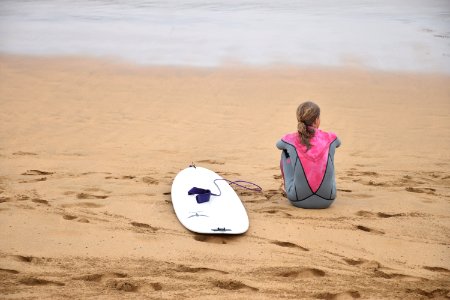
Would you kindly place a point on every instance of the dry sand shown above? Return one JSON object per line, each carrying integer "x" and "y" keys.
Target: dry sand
{"x": 89, "y": 149}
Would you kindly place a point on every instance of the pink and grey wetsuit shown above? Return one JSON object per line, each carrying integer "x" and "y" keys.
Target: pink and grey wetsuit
{"x": 308, "y": 175}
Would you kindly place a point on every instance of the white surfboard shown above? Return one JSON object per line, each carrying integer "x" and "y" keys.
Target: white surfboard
{"x": 224, "y": 214}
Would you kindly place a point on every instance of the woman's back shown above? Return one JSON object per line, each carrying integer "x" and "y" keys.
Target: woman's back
{"x": 307, "y": 161}
{"x": 309, "y": 174}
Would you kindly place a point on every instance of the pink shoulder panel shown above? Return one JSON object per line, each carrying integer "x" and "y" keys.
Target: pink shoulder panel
{"x": 314, "y": 160}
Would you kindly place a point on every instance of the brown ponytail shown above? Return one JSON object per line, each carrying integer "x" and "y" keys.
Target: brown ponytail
{"x": 307, "y": 114}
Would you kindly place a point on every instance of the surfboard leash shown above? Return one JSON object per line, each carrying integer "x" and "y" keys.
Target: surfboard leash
{"x": 255, "y": 188}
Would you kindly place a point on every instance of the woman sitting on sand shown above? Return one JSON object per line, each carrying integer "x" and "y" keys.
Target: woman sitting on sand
{"x": 307, "y": 161}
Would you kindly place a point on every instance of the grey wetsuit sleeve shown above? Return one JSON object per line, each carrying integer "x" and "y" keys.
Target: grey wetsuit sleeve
{"x": 280, "y": 145}
{"x": 288, "y": 163}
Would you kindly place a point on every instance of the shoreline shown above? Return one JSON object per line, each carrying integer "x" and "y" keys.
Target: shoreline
{"x": 89, "y": 149}
{"x": 124, "y": 64}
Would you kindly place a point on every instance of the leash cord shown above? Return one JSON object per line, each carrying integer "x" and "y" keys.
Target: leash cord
{"x": 256, "y": 187}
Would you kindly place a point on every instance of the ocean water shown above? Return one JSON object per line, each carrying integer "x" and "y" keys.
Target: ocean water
{"x": 398, "y": 35}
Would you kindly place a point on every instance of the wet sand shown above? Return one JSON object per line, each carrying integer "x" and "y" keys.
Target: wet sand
{"x": 89, "y": 149}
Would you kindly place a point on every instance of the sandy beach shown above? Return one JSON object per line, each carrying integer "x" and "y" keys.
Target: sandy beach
{"x": 89, "y": 149}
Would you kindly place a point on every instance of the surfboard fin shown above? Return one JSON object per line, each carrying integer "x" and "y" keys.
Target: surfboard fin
{"x": 221, "y": 229}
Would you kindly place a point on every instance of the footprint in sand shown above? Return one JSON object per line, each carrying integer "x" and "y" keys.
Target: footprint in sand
{"x": 211, "y": 162}
{"x": 83, "y": 204}
{"x": 113, "y": 280}
{"x": 26, "y": 259}
{"x": 244, "y": 193}
{"x": 363, "y": 213}
{"x": 364, "y": 263}
{"x": 4, "y": 199}
{"x": 270, "y": 211}
{"x": 186, "y": 269}
{"x": 228, "y": 174}
{"x": 355, "y": 173}
{"x": 89, "y": 193}
{"x": 40, "y": 201}
{"x": 367, "y": 229}
{"x": 123, "y": 285}
{"x": 9, "y": 271}
{"x": 289, "y": 245}
{"x": 360, "y": 178}
{"x": 22, "y": 197}
{"x": 273, "y": 212}
{"x": 156, "y": 286}
{"x": 376, "y": 267}
{"x": 386, "y": 215}
{"x": 70, "y": 217}
{"x": 88, "y": 205}
{"x": 374, "y": 183}
{"x": 144, "y": 226}
{"x": 232, "y": 285}
{"x": 100, "y": 277}
{"x": 437, "y": 293}
{"x": 269, "y": 194}
{"x": 214, "y": 239}
{"x": 33, "y": 180}
{"x": 90, "y": 196}
{"x": 121, "y": 177}
{"x": 91, "y": 173}
{"x": 354, "y": 262}
{"x": 37, "y": 281}
{"x": 407, "y": 180}
{"x": 339, "y": 296}
{"x": 430, "y": 191}
{"x": 23, "y": 153}
{"x": 381, "y": 274}
{"x": 37, "y": 172}
{"x": 255, "y": 200}
{"x": 437, "y": 269}
{"x": 300, "y": 273}
{"x": 150, "y": 180}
